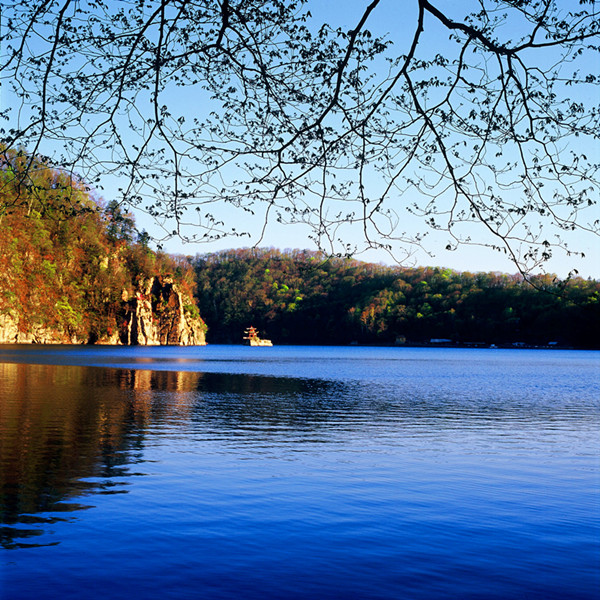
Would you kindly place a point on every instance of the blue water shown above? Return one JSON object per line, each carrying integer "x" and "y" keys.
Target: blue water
{"x": 299, "y": 472}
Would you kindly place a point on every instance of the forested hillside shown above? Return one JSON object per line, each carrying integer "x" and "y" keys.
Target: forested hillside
{"x": 302, "y": 297}
{"x": 73, "y": 268}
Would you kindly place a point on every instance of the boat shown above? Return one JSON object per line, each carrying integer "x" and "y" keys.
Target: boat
{"x": 252, "y": 338}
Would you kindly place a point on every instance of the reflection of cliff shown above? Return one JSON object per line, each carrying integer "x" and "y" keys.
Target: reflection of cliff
{"x": 68, "y": 433}
{"x": 168, "y": 381}
{"x": 62, "y": 424}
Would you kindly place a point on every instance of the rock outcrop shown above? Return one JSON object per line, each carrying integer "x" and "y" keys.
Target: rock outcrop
{"x": 158, "y": 313}
{"x": 12, "y": 333}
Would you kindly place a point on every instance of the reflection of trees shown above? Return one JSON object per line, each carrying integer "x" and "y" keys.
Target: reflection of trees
{"x": 263, "y": 402}
{"x": 70, "y": 431}
{"x": 62, "y": 424}
{"x": 67, "y": 432}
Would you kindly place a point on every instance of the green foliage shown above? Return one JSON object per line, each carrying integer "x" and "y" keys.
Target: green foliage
{"x": 303, "y": 297}
{"x": 66, "y": 261}
{"x": 120, "y": 226}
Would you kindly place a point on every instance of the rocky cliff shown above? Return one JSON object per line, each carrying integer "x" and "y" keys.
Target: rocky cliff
{"x": 12, "y": 332}
{"x": 157, "y": 313}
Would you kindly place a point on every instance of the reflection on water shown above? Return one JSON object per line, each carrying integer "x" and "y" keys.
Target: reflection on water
{"x": 59, "y": 425}
{"x": 74, "y": 431}
{"x": 444, "y": 477}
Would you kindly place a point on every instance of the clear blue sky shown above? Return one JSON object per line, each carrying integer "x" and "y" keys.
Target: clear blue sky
{"x": 395, "y": 20}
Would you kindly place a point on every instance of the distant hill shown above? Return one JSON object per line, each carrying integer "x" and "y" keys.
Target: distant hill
{"x": 75, "y": 270}
{"x": 302, "y": 297}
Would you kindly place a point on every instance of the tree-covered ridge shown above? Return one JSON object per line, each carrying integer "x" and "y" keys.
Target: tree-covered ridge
{"x": 73, "y": 268}
{"x": 68, "y": 261}
{"x": 303, "y": 297}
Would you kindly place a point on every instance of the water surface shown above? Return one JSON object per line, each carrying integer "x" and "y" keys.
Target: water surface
{"x": 297, "y": 472}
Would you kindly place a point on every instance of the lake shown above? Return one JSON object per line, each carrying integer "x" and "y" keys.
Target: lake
{"x": 299, "y": 472}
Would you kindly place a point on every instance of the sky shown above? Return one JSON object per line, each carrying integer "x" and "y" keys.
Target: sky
{"x": 397, "y": 26}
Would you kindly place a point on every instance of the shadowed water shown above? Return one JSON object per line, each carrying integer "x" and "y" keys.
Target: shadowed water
{"x": 231, "y": 472}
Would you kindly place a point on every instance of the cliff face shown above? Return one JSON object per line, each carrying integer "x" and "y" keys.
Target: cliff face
{"x": 157, "y": 314}
{"x": 74, "y": 269}
{"x": 11, "y": 333}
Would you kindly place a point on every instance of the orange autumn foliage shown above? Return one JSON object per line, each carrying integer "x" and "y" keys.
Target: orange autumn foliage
{"x": 67, "y": 259}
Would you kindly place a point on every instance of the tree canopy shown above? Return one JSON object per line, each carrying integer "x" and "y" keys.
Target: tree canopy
{"x": 480, "y": 117}
{"x": 69, "y": 263}
{"x": 301, "y": 297}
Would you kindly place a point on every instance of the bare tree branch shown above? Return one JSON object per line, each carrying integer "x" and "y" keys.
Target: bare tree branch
{"x": 482, "y": 124}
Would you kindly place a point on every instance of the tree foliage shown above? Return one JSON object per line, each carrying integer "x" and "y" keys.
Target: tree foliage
{"x": 67, "y": 260}
{"x": 479, "y": 117}
{"x": 302, "y": 297}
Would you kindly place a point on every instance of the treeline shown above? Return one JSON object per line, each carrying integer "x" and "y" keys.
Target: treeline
{"x": 67, "y": 259}
{"x": 301, "y": 297}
